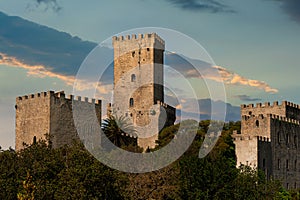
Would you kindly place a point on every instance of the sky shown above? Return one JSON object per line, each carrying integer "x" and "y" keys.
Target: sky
{"x": 255, "y": 44}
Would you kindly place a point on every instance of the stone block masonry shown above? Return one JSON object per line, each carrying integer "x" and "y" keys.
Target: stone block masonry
{"x": 269, "y": 140}
{"x": 138, "y": 85}
{"x": 50, "y": 113}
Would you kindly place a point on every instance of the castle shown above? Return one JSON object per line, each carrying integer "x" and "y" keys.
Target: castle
{"x": 269, "y": 133}
{"x": 138, "y": 86}
{"x": 138, "y": 95}
{"x": 269, "y": 140}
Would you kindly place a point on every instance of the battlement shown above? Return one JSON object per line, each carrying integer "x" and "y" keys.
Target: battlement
{"x": 59, "y": 95}
{"x": 164, "y": 105}
{"x": 251, "y": 137}
{"x": 263, "y": 139}
{"x": 269, "y": 105}
{"x": 284, "y": 119}
{"x": 37, "y": 95}
{"x": 135, "y": 37}
{"x": 129, "y": 135}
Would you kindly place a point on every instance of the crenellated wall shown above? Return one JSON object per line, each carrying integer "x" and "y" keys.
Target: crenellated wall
{"x": 269, "y": 140}
{"x": 285, "y": 109}
{"x": 52, "y": 113}
{"x": 146, "y": 40}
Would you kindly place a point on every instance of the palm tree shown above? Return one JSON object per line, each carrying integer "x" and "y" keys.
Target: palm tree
{"x": 119, "y": 131}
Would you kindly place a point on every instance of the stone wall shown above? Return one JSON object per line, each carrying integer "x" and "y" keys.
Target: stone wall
{"x": 138, "y": 85}
{"x": 265, "y": 156}
{"x": 285, "y": 109}
{"x": 32, "y": 118}
{"x": 269, "y": 139}
{"x": 286, "y": 151}
{"x": 52, "y": 113}
{"x": 246, "y": 149}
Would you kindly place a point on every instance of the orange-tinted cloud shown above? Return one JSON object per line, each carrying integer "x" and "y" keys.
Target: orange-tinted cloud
{"x": 231, "y": 78}
{"x": 192, "y": 68}
{"x": 42, "y": 72}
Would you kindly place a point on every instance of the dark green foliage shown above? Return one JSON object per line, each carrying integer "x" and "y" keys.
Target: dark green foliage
{"x": 8, "y": 175}
{"x": 65, "y": 173}
{"x": 71, "y": 172}
{"x": 165, "y": 136}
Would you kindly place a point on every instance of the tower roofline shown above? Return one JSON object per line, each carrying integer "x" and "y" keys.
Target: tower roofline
{"x": 268, "y": 104}
{"x": 138, "y": 37}
{"x": 60, "y": 95}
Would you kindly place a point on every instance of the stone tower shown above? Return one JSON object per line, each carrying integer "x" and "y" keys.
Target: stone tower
{"x": 138, "y": 85}
{"x": 51, "y": 113}
{"x": 269, "y": 140}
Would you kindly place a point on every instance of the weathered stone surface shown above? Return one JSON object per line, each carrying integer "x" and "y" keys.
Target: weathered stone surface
{"x": 138, "y": 84}
{"x": 269, "y": 140}
{"x": 52, "y": 113}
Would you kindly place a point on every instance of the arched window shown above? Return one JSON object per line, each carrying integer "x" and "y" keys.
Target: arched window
{"x": 133, "y": 77}
{"x": 131, "y": 102}
{"x": 257, "y": 123}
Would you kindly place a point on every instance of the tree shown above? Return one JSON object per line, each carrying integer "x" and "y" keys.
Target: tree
{"x": 119, "y": 131}
{"x": 28, "y": 189}
{"x": 9, "y": 175}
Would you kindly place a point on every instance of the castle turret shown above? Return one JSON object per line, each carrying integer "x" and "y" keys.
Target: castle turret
{"x": 138, "y": 84}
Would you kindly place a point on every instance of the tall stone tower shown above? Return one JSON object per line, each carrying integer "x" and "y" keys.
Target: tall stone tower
{"x": 138, "y": 84}
{"x": 52, "y": 113}
{"x": 269, "y": 140}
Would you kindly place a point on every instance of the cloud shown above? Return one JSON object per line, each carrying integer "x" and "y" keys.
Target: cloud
{"x": 35, "y": 44}
{"x": 48, "y": 4}
{"x": 42, "y": 72}
{"x": 216, "y": 73}
{"x": 292, "y": 8}
{"x": 47, "y": 52}
{"x": 201, "y": 5}
{"x": 231, "y": 78}
{"x": 244, "y": 97}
